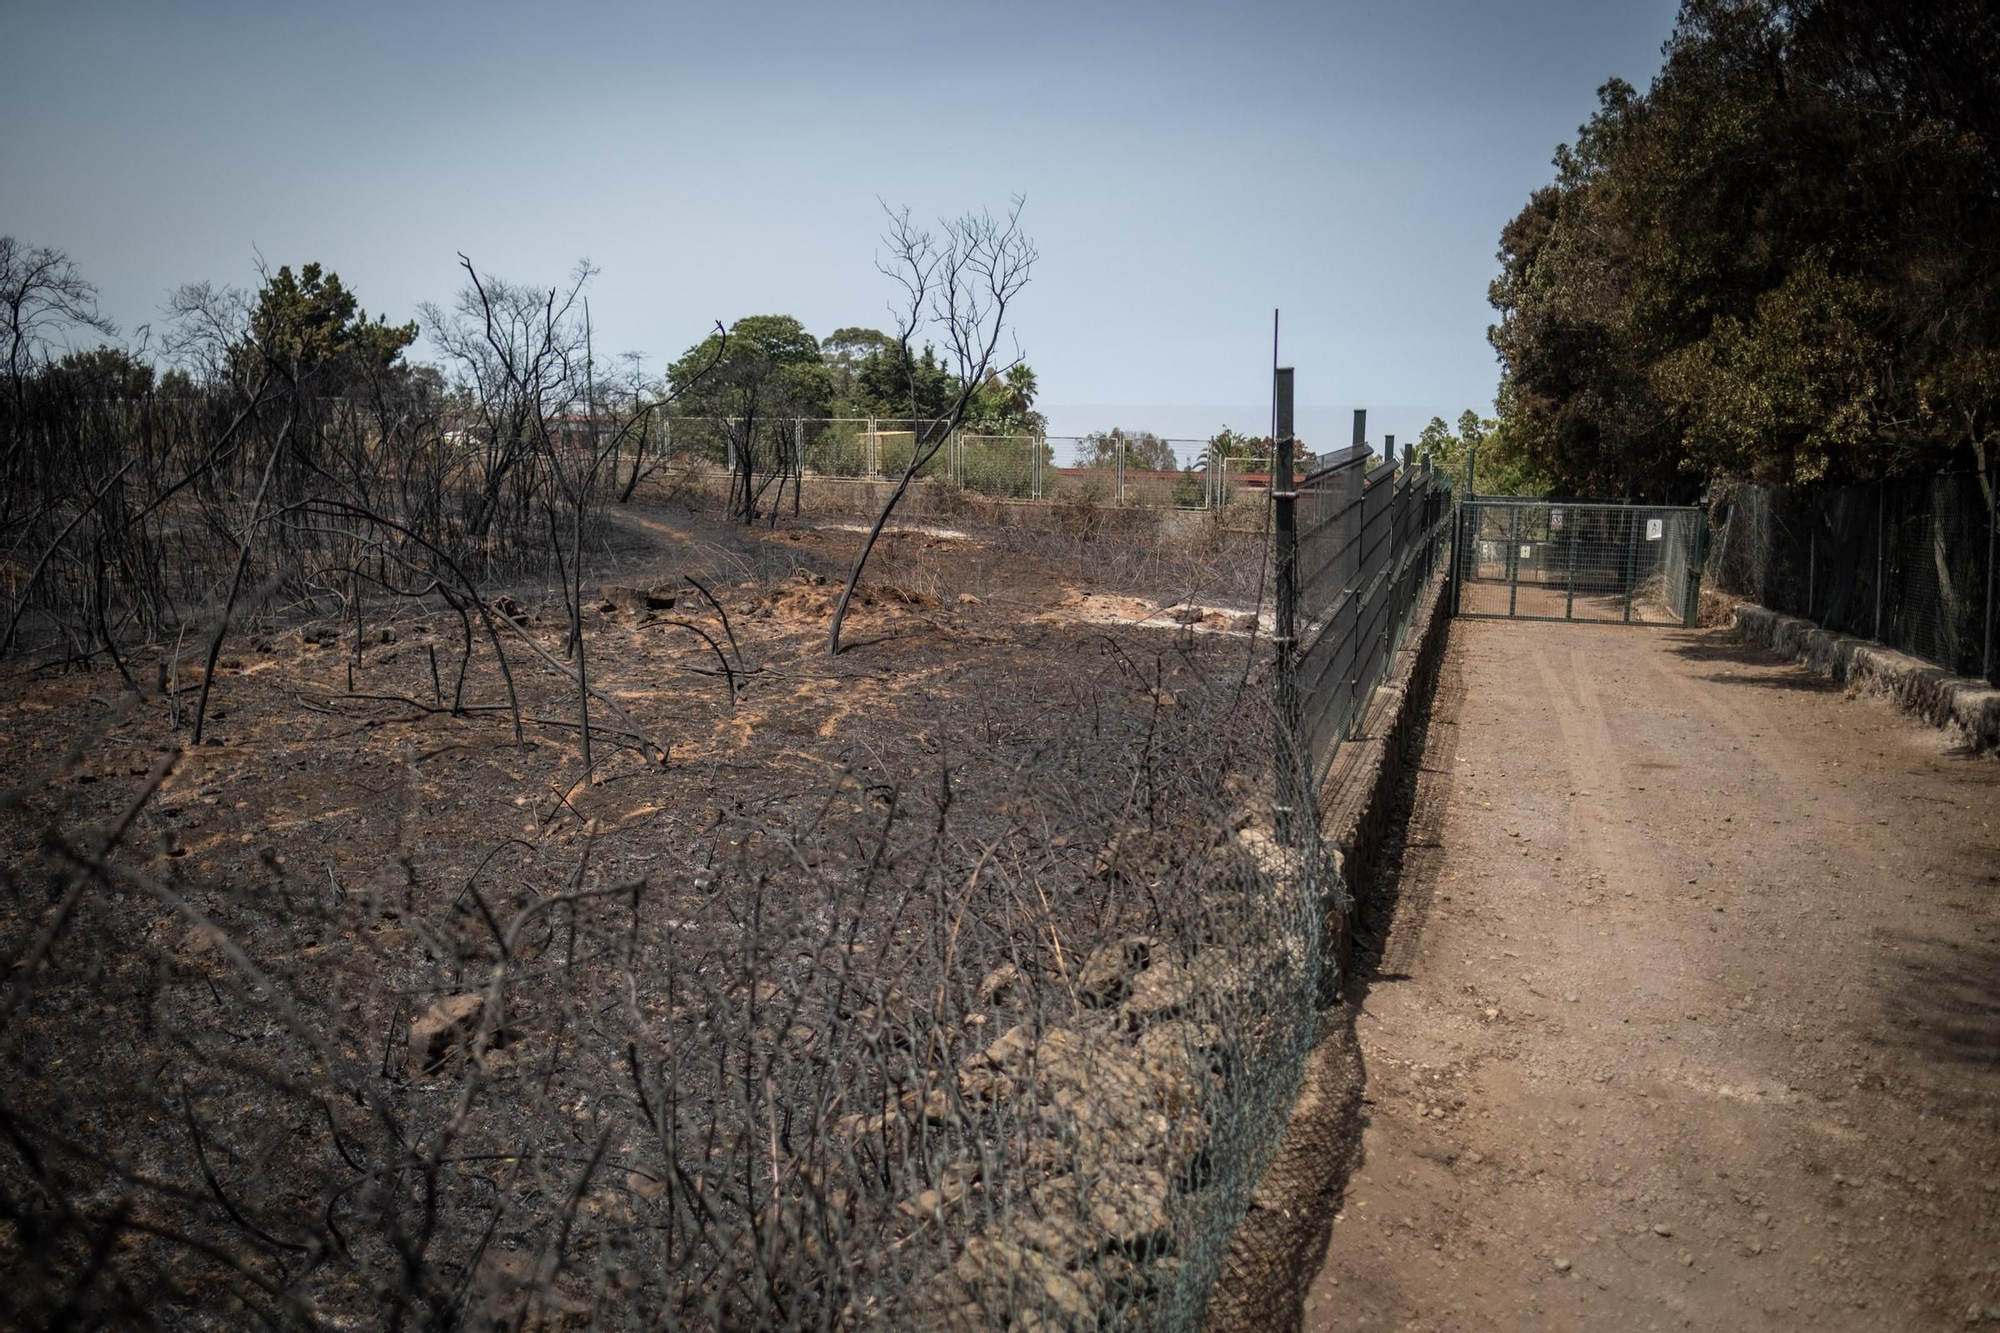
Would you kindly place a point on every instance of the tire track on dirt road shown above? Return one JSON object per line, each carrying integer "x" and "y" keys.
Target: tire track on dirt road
{"x": 1692, "y": 1036}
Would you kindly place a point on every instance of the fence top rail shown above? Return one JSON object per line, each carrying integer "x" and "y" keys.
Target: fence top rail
{"x": 1336, "y": 461}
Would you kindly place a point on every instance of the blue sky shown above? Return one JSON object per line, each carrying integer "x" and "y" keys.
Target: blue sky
{"x": 1187, "y": 168}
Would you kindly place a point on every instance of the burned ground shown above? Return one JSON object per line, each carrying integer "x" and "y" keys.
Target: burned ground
{"x": 949, "y": 977}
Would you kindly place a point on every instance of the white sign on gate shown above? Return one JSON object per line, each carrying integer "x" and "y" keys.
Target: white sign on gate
{"x": 1527, "y": 552}
{"x": 1556, "y": 519}
{"x": 1654, "y": 527}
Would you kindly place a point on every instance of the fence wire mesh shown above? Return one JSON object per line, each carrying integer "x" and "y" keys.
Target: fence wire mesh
{"x": 1909, "y": 563}
{"x": 1570, "y": 560}
{"x": 987, "y": 460}
{"x": 1370, "y": 535}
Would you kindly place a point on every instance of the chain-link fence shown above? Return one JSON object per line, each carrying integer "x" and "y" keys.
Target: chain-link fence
{"x": 995, "y": 461}
{"x": 1909, "y": 563}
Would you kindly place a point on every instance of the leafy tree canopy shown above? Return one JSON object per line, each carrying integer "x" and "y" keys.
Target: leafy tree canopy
{"x": 1007, "y": 400}
{"x": 309, "y": 321}
{"x": 1144, "y": 451}
{"x": 872, "y": 378}
{"x": 1498, "y": 468}
{"x": 102, "y": 372}
{"x": 887, "y": 383}
{"x": 844, "y": 350}
{"x": 1774, "y": 263}
{"x": 768, "y": 365}
{"x": 1235, "y": 445}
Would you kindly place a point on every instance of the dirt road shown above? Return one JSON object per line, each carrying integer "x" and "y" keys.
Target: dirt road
{"x": 1689, "y": 1011}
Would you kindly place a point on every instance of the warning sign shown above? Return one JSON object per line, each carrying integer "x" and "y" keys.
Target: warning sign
{"x": 1654, "y": 527}
{"x": 1527, "y": 552}
{"x": 1556, "y": 519}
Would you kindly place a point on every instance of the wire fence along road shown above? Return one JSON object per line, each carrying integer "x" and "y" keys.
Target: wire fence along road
{"x": 1908, "y": 563}
{"x": 1370, "y": 535}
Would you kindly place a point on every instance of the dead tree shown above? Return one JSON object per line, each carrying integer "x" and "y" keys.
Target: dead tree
{"x": 960, "y": 286}
{"x": 41, "y": 291}
{"x": 518, "y": 348}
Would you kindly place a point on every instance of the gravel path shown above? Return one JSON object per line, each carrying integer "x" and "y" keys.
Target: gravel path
{"x": 1689, "y": 1010}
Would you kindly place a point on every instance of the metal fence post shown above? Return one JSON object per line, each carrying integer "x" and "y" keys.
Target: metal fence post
{"x": 1457, "y": 557}
{"x": 1992, "y": 527}
{"x": 1632, "y": 522}
{"x": 1812, "y": 568}
{"x": 1881, "y": 551}
{"x": 1691, "y": 614}
{"x": 1289, "y": 796}
{"x": 1462, "y": 542}
{"x": 1513, "y": 558}
{"x": 1569, "y": 579}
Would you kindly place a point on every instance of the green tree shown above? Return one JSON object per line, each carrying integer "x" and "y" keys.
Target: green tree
{"x": 1144, "y": 451}
{"x": 1498, "y": 468}
{"x": 42, "y": 293}
{"x": 102, "y": 372}
{"x": 890, "y": 383}
{"x": 1006, "y": 400}
{"x": 843, "y": 352}
{"x": 1190, "y": 492}
{"x": 1235, "y": 447}
{"x": 752, "y": 381}
{"x": 310, "y": 324}
{"x": 1762, "y": 265}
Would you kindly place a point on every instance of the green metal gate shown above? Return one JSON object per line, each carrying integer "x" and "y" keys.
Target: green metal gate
{"x": 1568, "y": 560}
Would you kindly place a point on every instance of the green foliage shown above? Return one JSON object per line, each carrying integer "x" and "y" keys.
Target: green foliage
{"x": 1189, "y": 490}
{"x": 871, "y": 378}
{"x": 1766, "y": 265}
{"x": 102, "y": 372}
{"x": 1007, "y": 400}
{"x": 843, "y": 351}
{"x": 889, "y": 384}
{"x": 769, "y": 366}
{"x": 1498, "y": 468}
{"x": 1144, "y": 451}
{"x": 308, "y": 323}
{"x": 1230, "y": 444}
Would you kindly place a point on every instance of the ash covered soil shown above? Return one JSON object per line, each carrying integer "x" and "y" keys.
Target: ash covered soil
{"x": 1688, "y": 1013}
{"x": 256, "y": 1071}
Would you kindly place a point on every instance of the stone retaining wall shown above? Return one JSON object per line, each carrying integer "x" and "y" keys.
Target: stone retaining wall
{"x": 1358, "y": 804}
{"x": 1968, "y": 708}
